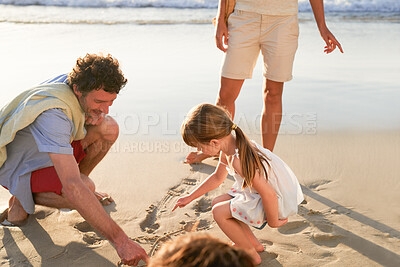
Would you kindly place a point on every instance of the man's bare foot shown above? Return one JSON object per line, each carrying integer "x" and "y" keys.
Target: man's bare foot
{"x": 15, "y": 214}
{"x": 104, "y": 198}
{"x": 195, "y": 157}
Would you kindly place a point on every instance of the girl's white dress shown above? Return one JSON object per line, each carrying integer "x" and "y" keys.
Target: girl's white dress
{"x": 246, "y": 204}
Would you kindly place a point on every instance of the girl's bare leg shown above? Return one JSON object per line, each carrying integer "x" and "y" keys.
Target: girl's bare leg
{"x": 233, "y": 230}
{"x": 250, "y": 235}
{"x": 254, "y": 241}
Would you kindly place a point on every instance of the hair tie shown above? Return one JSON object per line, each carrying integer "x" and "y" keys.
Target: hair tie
{"x": 234, "y": 126}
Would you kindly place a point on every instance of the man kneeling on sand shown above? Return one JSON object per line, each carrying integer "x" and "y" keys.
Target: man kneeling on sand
{"x": 51, "y": 138}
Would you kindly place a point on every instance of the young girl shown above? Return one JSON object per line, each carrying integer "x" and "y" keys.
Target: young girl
{"x": 265, "y": 188}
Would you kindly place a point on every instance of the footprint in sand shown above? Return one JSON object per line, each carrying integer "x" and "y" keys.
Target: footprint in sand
{"x": 92, "y": 238}
{"x": 193, "y": 226}
{"x": 293, "y": 227}
{"x": 189, "y": 181}
{"x": 314, "y": 212}
{"x": 289, "y": 247}
{"x": 324, "y": 256}
{"x": 319, "y": 185}
{"x": 161, "y": 208}
{"x": 326, "y": 235}
{"x": 265, "y": 242}
{"x": 89, "y": 236}
{"x": 44, "y": 213}
{"x": 268, "y": 256}
{"x": 203, "y": 205}
{"x": 149, "y": 224}
{"x": 84, "y": 227}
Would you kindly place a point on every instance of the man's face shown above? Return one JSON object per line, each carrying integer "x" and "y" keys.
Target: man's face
{"x": 95, "y": 104}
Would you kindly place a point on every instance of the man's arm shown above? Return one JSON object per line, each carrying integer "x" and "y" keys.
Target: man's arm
{"x": 85, "y": 202}
{"x": 330, "y": 40}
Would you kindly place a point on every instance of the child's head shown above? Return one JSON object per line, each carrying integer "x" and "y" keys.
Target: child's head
{"x": 199, "y": 250}
{"x": 206, "y": 122}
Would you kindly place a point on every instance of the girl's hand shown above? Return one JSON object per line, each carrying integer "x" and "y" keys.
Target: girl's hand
{"x": 182, "y": 202}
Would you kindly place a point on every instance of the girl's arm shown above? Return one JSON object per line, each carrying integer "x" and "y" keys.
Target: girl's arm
{"x": 210, "y": 183}
{"x": 269, "y": 200}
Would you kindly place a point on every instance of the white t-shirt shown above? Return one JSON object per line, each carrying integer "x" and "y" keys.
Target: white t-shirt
{"x": 269, "y": 7}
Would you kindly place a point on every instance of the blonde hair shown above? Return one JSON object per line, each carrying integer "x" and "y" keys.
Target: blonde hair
{"x": 205, "y": 122}
{"x": 199, "y": 250}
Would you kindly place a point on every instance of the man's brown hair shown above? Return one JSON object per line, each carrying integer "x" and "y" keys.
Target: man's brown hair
{"x": 199, "y": 250}
{"x": 95, "y": 72}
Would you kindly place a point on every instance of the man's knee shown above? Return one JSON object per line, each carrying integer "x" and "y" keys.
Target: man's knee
{"x": 88, "y": 182}
{"x": 109, "y": 129}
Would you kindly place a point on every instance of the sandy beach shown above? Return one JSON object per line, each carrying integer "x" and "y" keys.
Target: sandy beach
{"x": 340, "y": 135}
{"x": 350, "y": 218}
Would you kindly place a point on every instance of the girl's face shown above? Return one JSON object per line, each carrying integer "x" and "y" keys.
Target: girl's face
{"x": 212, "y": 149}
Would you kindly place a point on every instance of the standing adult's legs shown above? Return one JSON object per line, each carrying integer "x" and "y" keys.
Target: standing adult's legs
{"x": 272, "y": 113}
{"x": 228, "y": 92}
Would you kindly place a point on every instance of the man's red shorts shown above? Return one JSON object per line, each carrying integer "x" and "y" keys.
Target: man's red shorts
{"x": 46, "y": 180}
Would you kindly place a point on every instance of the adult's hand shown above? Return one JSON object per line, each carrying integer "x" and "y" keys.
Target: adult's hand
{"x": 131, "y": 253}
{"x": 221, "y": 35}
{"x": 330, "y": 40}
{"x": 84, "y": 201}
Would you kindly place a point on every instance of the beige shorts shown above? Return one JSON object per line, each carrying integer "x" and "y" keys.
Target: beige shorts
{"x": 275, "y": 36}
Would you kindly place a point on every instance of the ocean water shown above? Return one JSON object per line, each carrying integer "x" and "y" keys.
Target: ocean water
{"x": 167, "y": 51}
{"x": 330, "y": 5}
{"x": 169, "y": 11}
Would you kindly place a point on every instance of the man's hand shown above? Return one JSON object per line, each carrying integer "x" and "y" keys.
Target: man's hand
{"x": 330, "y": 40}
{"x": 84, "y": 201}
{"x": 131, "y": 253}
{"x": 182, "y": 202}
{"x": 221, "y": 35}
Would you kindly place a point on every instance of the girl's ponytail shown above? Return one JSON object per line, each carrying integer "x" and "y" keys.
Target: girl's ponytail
{"x": 250, "y": 157}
